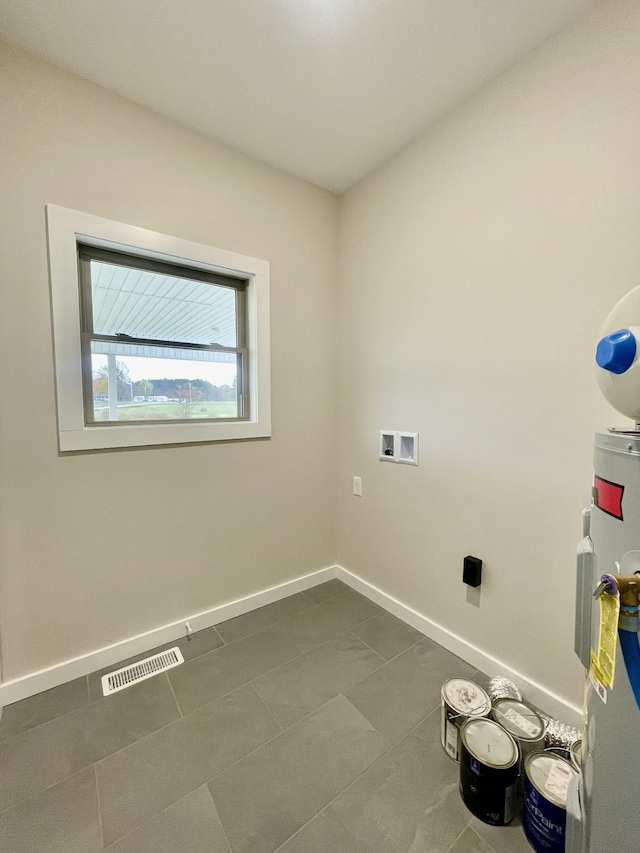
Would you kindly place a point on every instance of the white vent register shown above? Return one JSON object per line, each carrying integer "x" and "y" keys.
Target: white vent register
{"x": 141, "y": 670}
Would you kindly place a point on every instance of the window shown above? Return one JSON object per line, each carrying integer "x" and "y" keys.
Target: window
{"x": 157, "y": 340}
{"x": 160, "y": 342}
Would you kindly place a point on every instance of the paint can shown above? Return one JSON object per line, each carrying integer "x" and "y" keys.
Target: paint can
{"x": 522, "y": 723}
{"x": 461, "y": 699}
{"x": 489, "y": 760}
{"x": 576, "y": 754}
{"x": 546, "y": 782}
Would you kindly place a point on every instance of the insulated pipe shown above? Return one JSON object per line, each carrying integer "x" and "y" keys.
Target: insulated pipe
{"x": 630, "y": 646}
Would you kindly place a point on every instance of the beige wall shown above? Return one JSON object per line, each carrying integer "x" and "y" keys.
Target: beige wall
{"x": 477, "y": 268}
{"x": 98, "y": 547}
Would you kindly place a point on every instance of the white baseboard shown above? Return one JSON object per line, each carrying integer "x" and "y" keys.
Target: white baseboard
{"x": 533, "y": 692}
{"x": 45, "y": 679}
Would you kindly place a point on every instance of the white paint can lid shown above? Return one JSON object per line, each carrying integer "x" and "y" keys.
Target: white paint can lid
{"x": 518, "y": 719}
{"x": 466, "y": 697}
{"x": 490, "y": 743}
{"x": 550, "y": 775}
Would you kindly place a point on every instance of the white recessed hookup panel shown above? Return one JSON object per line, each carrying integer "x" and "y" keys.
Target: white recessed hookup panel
{"x": 396, "y": 446}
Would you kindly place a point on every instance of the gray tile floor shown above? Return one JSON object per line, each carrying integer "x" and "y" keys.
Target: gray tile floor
{"x": 308, "y": 726}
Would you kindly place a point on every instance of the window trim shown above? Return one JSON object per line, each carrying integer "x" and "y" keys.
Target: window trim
{"x": 66, "y": 229}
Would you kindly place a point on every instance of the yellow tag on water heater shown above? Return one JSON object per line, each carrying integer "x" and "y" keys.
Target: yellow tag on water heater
{"x": 603, "y": 662}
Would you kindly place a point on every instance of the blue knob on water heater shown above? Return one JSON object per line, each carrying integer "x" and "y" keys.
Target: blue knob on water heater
{"x": 617, "y": 351}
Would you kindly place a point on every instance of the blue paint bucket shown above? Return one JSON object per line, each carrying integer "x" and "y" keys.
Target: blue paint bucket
{"x": 546, "y": 782}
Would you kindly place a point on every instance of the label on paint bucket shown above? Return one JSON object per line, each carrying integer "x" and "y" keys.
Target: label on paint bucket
{"x": 451, "y": 740}
{"x": 522, "y": 723}
{"x": 558, "y": 781}
{"x": 546, "y": 783}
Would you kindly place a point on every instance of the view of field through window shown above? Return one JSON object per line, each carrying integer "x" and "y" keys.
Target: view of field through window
{"x": 161, "y": 344}
{"x": 165, "y": 388}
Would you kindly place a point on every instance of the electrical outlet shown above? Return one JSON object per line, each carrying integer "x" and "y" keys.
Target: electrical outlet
{"x": 357, "y": 486}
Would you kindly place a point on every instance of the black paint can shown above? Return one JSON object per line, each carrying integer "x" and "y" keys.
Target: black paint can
{"x": 489, "y": 759}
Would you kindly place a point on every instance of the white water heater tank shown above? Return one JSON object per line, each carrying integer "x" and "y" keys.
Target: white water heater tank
{"x": 618, "y": 356}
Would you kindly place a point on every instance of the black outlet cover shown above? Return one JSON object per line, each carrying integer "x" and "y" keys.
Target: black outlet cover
{"x": 472, "y": 571}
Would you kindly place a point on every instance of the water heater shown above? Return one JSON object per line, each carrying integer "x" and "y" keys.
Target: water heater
{"x": 603, "y": 808}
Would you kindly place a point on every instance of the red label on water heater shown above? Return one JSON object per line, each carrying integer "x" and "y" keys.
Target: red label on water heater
{"x": 607, "y": 496}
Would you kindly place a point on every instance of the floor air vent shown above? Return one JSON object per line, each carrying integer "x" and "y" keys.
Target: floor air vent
{"x": 128, "y": 675}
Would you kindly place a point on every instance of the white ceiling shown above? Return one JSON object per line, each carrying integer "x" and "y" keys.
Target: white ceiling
{"x": 324, "y": 89}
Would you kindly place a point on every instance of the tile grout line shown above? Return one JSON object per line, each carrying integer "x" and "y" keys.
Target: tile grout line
{"x": 458, "y": 836}
{"x": 346, "y": 829}
{"x": 302, "y": 655}
{"x": 215, "y": 808}
{"x": 351, "y": 630}
{"x": 385, "y": 741}
{"x": 350, "y": 834}
{"x": 206, "y": 783}
{"x": 173, "y": 722}
{"x": 267, "y": 708}
{"x": 278, "y": 622}
{"x": 53, "y": 719}
{"x": 359, "y": 776}
{"x": 95, "y": 778}
{"x": 195, "y": 710}
{"x": 298, "y": 831}
{"x": 20, "y": 803}
{"x": 364, "y": 642}
{"x": 175, "y": 698}
{"x": 162, "y": 811}
{"x": 184, "y": 716}
{"x": 283, "y": 731}
{"x": 251, "y": 684}
{"x": 199, "y": 708}
{"x": 371, "y": 766}
{"x": 382, "y": 666}
{"x": 314, "y": 711}
{"x": 90, "y": 701}
{"x": 102, "y": 698}
{"x": 321, "y": 604}
{"x": 215, "y": 776}
{"x": 332, "y": 597}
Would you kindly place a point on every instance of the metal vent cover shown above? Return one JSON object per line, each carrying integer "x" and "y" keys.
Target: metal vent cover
{"x": 139, "y": 671}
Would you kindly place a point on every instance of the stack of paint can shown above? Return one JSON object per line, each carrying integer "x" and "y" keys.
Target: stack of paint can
{"x": 505, "y": 763}
{"x": 487, "y": 754}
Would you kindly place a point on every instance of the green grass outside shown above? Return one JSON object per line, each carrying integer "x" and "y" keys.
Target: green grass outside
{"x": 169, "y": 411}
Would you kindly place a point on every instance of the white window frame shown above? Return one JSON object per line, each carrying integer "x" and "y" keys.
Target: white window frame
{"x": 67, "y": 228}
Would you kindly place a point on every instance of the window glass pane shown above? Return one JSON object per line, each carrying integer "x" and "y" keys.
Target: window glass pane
{"x": 146, "y": 304}
{"x": 161, "y": 383}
